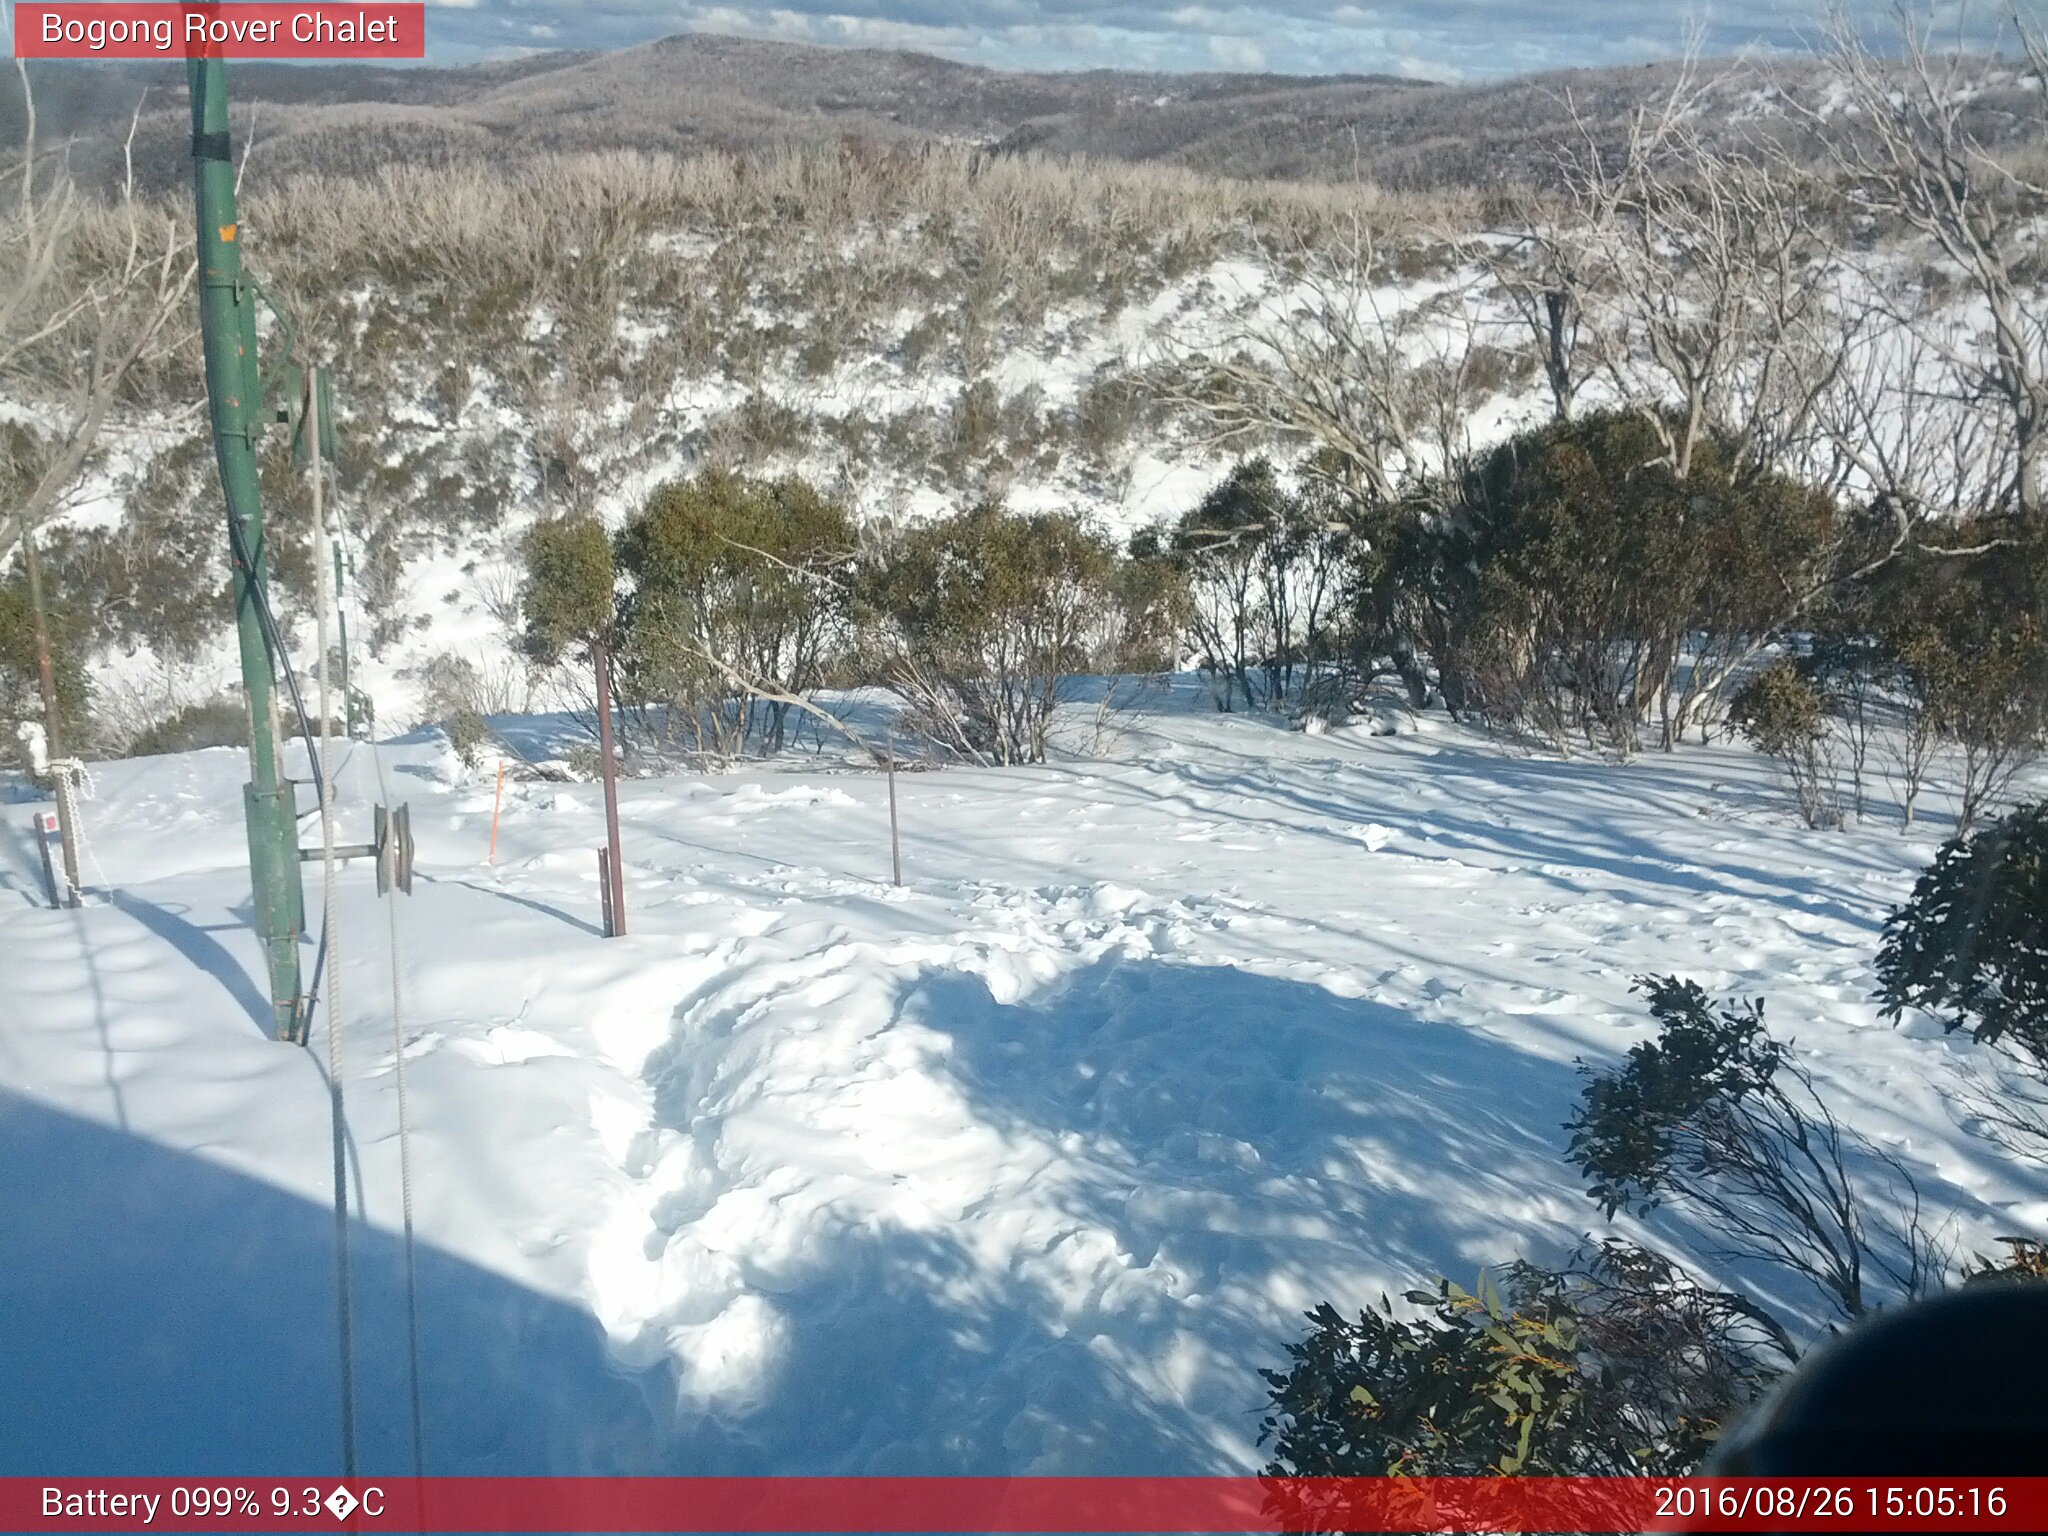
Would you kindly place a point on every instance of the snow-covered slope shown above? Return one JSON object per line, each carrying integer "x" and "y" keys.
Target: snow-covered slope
{"x": 1025, "y": 1167}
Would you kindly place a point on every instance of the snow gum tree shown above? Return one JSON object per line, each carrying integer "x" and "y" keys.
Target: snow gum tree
{"x": 1586, "y": 589}
{"x": 1266, "y": 575}
{"x": 982, "y": 621}
{"x": 568, "y": 595}
{"x": 738, "y": 606}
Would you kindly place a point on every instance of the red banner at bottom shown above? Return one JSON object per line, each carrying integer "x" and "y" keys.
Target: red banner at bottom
{"x": 1024, "y": 1504}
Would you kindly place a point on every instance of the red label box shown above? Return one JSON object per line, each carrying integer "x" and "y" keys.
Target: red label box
{"x": 316, "y": 29}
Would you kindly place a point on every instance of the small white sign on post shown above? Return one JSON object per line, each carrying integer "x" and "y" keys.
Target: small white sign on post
{"x": 46, "y": 835}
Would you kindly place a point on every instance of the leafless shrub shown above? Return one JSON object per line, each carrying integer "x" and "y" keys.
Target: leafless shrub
{"x": 1328, "y": 365}
{"x": 489, "y": 683}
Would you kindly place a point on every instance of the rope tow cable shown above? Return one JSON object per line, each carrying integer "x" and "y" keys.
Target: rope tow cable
{"x": 400, "y": 830}
{"x": 412, "y": 1293}
{"x": 324, "y": 783}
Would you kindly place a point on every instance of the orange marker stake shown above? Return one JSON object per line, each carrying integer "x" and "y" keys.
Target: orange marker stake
{"x": 495, "y": 806}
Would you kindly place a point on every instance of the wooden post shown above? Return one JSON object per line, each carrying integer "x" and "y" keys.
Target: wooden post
{"x": 53, "y": 725}
{"x": 895, "y": 839}
{"x": 604, "y": 890}
{"x": 615, "y": 873}
{"x": 496, "y": 805}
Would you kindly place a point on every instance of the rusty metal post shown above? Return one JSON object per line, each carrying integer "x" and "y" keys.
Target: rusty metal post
{"x": 615, "y": 880}
{"x": 895, "y": 839}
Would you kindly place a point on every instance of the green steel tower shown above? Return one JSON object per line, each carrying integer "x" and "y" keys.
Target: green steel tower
{"x": 227, "y": 318}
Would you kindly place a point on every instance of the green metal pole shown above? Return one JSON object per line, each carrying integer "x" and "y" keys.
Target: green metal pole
{"x": 348, "y": 691}
{"x": 227, "y": 320}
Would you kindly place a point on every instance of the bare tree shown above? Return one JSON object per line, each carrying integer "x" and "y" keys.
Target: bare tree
{"x": 1910, "y": 149}
{"x": 1328, "y": 361}
{"x": 1889, "y": 426}
{"x": 1541, "y": 274}
{"x": 1711, "y": 279}
{"x": 90, "y": 295}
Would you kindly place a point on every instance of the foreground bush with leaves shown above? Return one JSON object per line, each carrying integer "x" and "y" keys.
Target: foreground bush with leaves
{"x": 1614, "y": 1365}
{"x": 1619, "y": 1362}
{"x": 1968, "y": 945}
{"x": 1718, "y": 1119}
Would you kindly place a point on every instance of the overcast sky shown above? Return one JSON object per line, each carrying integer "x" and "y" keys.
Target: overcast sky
{"x": 1439, "y": 39}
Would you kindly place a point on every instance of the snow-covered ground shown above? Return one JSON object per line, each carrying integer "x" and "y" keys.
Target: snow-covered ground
{"x": 1028, "y": 1166}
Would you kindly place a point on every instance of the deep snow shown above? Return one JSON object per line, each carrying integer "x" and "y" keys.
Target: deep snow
{"x": 1027, "y": 1167}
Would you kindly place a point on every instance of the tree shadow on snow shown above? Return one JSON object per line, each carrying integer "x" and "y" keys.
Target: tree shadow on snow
{"x": 1204, "y": 1153}
{"x": 1247, "y": 1125}
{"x": 1594, "y": 857}
{"x": 1252, "y": 1121}
{"x": 166, "y": 1314}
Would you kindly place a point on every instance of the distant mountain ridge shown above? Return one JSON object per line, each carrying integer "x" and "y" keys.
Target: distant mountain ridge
{"x": 696, "y": 91}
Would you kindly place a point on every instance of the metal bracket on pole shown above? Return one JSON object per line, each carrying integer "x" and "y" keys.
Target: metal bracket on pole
{"x": 394, "y": 849}
{"x": 391, "y": 846}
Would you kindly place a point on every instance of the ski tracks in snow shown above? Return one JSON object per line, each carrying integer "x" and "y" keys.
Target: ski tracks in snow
{"x": 976, "y": 1156}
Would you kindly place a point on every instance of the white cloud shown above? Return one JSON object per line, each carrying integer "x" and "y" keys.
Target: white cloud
{"x": 1411, "y": 68}
{"x": 878, "y": 32}
{"x": 1237, "y": 53}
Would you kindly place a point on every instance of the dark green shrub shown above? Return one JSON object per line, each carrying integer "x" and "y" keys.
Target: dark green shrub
{"x": 1961, "y": 640}
{"x": 980, "y": 621}
{"x": 1267, "y": 571}
{"x": 468, "y": 734}
{"x": 222, "y": 722}
{"x": 1590, "y": 590}
{"x": 1778, "y": 712}
{"x": 1970, "y": 945}
{"x": 739, "y": 602}
{"x": 1985, "y": 689}
{"x": 1152, "y": 603}
{"x": 567, "y": 592}
{"x": 1783, "y": 715}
